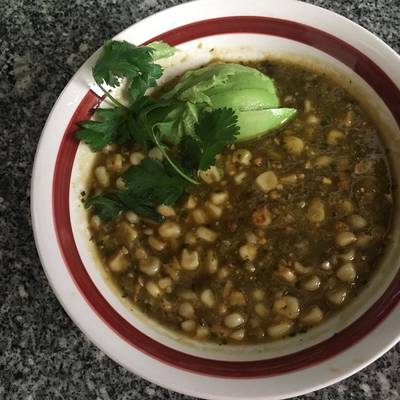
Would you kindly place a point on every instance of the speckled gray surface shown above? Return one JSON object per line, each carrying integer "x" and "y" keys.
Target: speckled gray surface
{"x": 42, "y": 354}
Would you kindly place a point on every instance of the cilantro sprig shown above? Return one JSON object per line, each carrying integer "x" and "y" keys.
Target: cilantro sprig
{"x": 200, "y": 134}
{"x": 215, "y": 130}
{"x": 125, "y": 60}
{"x": 112, "y": 125}
{"x": 147, "y": 185}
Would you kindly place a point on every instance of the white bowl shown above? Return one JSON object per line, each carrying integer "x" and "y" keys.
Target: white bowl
{"x": 236, "y": 30}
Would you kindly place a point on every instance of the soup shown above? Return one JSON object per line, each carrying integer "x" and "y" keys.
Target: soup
{"x": 283, "y": 231}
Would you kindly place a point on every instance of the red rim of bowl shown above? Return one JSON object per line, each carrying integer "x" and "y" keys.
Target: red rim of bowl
{"x": 318, "y": 39}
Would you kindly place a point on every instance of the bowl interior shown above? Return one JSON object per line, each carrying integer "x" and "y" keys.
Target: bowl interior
{"x": 235, "y": 47}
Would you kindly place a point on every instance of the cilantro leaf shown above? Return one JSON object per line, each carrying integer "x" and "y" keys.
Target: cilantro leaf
{"x": 191, "y": 148}
{"x": 147, "y": 78}
{"x": 120, "y": 59}
{"x": 140, "y": 204}
{"x": 96, "y": 140}
{"x": 147, "y": 185}
{"x": 215, "y": 130}
{"x": 152, "y": 181}
{"x": 176, "y": 122}
{"x": 107, "y": 206}
{"x": 111, "y": 125}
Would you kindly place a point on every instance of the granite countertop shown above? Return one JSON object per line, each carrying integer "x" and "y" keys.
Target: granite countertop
{"x": 43, "y": 355}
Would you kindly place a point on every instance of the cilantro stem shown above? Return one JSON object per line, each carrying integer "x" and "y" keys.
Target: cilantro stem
{"x": 111, "y": 97}
{"x": 173, "y": 165}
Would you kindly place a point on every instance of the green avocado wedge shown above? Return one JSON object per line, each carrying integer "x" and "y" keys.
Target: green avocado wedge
{"x": 224, "y": 82}
{"x": 254, "y": 124}
{"x": 244, "y": 99}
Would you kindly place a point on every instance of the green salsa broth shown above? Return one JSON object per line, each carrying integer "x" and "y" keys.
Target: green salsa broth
{"x": 291, "y": 250}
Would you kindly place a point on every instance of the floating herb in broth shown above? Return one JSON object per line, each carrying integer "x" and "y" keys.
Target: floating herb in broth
{"x": 231, "y": 238}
